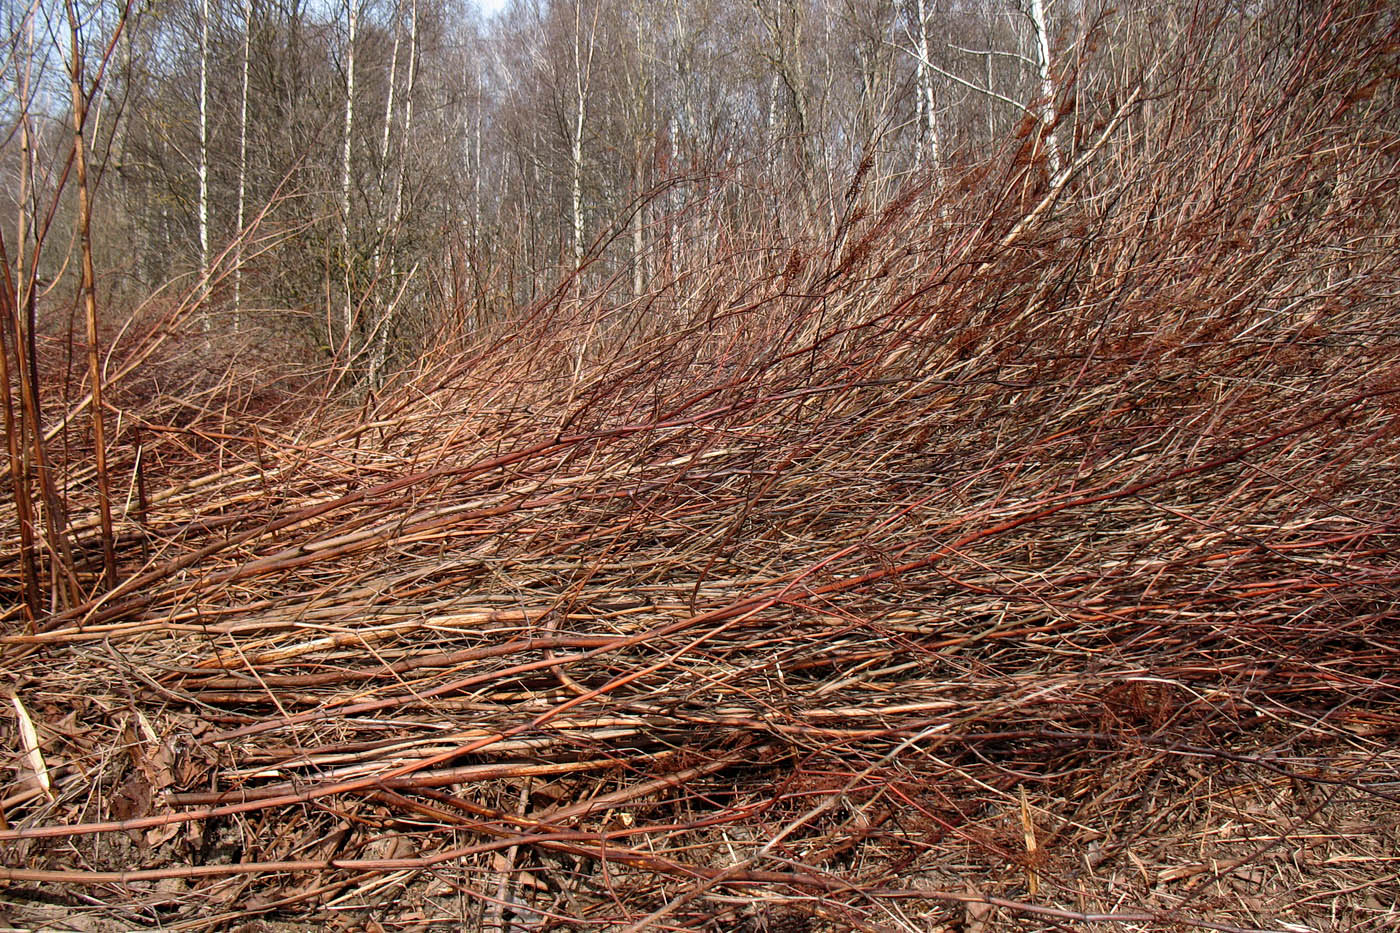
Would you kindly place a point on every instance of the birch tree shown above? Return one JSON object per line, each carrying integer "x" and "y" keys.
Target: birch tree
{"x": 203, "y": 161}
{"x": 583, "y": 73}
{"x": 389, "y": 99}
{"x": 926, "y": 97}
{"x": 636, "y": 97}
{"x": 1040, "y": 39}
{"x": 782, "y": 22}
{"x": 242, "y": 163}
{"x": 352, "y": 22}
{"x": 396, "y": 211}
{"x": 381, "y": 333}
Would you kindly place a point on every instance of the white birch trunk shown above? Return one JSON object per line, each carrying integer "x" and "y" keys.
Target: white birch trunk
{"x": 475, "y": 162}
{"x": 930, "y": 115}
{"x": 638, "y": 238}
{"x": 991, "y": 130}
{"x": 352, "y": 24}
{"x": 406, "y": 148}
{"x": 202, "y": 167}
{"x": 576, "y": 154}
{"x": 583, "y": 67}
{"x": 919, "y": 71}
{"x": 381, "y": 333}
{"x": 377, "y": 351}
{"x": 1047, "y": 86}
{"x": 639, "y": 159}
{"x": 389, "y": 99}
{"x": 242, "y": 165}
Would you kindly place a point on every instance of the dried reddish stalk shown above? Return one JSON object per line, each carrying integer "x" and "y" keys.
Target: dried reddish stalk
{"x": 89, "y": 291}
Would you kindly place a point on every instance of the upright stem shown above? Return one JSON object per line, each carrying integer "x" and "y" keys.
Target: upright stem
{"x": 639, "y": 136}
{"x": 397, "y": 210}
{"x": 1047, "y": 86}
{"x": 109, "y": 554}
{"x": 991, "y": 132}
{"x": 930, "y": 127}
{"x": 26, "y": 169}
{"x": 23, "y": 324}
{"x": 353, "y": 23}
{"x": 576, "y": 151}
{"x": 389, "y": 98}
{"x": 475, "y": 160}
{"x": 387, "y": 224}
{"x": 582, "y": 71}
{"x": 203, "y": 165}
{"x": 242, "y": 165}
{"x": 638, "y": 224}
{"x": 381, "y": 334}
{"x": 19, "y": 472}
{"x": 19, "y": 461}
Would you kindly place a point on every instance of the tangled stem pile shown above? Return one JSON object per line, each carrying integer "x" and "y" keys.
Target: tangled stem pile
{"x": 1016, "y": 549}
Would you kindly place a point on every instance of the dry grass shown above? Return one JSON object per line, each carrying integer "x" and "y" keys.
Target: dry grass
{"x": 1005, "y": 563}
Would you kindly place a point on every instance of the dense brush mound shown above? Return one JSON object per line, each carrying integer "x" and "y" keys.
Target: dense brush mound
{"x": 1018, "y": 550}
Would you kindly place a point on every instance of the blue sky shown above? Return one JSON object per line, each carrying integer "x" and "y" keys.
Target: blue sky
{"x": 490, "y": 7}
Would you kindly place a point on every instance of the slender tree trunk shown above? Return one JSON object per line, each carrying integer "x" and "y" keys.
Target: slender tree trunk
{"x": 388, "y": 224}
{"x": 529, "y": 215}
{"x": 389, "y": 99}
{"x": 63, "y": 578}
{"x": 641, "y": 131}
{"x": 1047, "y": 86}
{"x": 242, "y": 165}
{"x": 476, "y": 168}
{"x": 782, "y": 22}
{"x": 352, "y": 14}
{"x": 19, "y": 471}
{"x": 822, "y": 119}
{"x": 26, "y": 172}
{"x": 681, "y": 134}
{"x": 19, "y": 455}
{"x": 991, "y": 130}
{"x": 770, "y": 111}
{"x": 919, "y": 70}
{"x": 577, "y": 191}
{"x": 66, "y": 591}
{"x": 381, "y": 333}
{"x": 203, "y": 163}
{"x": 583, "y": 68}
{"x": 407, "y": 147}
{"x": 930, "y": 113}
{"x": 109, "y": 554}
{"x": 19, "y": 462}
{"x": 576, "y": 186}
{"x": 638, "y": 231}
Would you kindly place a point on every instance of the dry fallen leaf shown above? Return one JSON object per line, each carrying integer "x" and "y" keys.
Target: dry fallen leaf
{"x": 979, "y": 912}
{"x": 32, "y": 755}
{"x": 1028, "y": 827}
{"x": 154, "y": 757}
